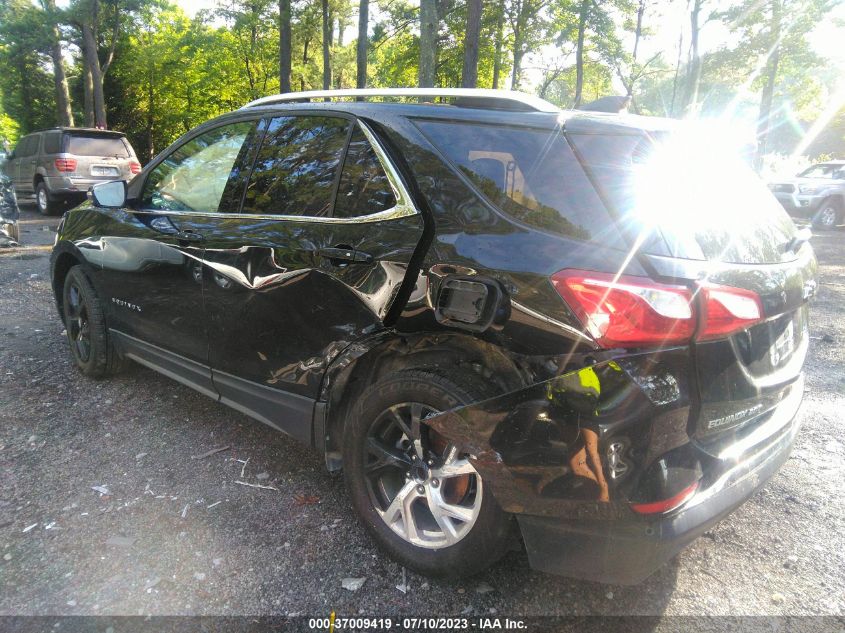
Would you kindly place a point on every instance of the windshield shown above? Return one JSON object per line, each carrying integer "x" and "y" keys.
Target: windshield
{"x": 96, "y": 146}
{"x": 684, "y": 196}
{"x": 831, "y": 172}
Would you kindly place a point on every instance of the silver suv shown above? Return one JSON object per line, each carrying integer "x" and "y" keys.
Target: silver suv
{"x": 818, "y": 192}
{"x": 57, "y": 166}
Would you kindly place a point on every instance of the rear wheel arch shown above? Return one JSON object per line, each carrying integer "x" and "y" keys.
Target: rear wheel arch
{"x": 458, "y": 356}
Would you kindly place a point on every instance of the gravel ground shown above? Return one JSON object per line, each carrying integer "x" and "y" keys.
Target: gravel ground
{"x": 174, "y": 535}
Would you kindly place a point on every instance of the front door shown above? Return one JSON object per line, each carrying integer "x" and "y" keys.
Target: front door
{"x": 152, "y": 252}
{"x": 312, "y": 263}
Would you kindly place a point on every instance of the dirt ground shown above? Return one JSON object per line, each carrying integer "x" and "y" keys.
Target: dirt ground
{"x": 105, "y": 510}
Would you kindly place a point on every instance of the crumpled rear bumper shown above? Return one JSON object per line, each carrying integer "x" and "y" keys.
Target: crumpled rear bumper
{"x": 629, "y": 550}
{"x": 568, "y": 457}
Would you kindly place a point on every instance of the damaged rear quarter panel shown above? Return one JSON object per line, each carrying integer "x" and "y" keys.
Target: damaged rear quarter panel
{"x": 577, "y": 444}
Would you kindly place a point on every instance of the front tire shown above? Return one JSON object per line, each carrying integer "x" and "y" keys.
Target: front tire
{"x": 90, "y": 345}
{"x": 828, "y": 216}
{"x": 417, "y": 495}
{"x": 45, "y": 204}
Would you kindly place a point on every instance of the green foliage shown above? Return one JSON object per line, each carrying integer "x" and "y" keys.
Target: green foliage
{"x": 26, "y": 88}
{"x": 171, "y": 72}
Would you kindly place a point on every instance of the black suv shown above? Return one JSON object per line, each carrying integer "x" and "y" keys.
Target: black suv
{"x": 493, "y": 315}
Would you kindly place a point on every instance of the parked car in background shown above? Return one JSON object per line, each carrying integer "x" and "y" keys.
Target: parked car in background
{"x": 491, "y": 314}
{"x": 9, "y": 232}
{"x": 56, "y": 167}
{"x": 817, "y": 193}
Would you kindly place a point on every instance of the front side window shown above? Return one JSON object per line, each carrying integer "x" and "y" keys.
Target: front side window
{"x": 194, "y": 176}
{"x": 364, "y": 187}
{"x": 296, "y": 166}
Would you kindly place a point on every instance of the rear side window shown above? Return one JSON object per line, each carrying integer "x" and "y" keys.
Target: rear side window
{"x": 96, "y": 145}
{"x": 52, "y": 142}
{"x": 296, "y": 166}
{"x": 531, "y": 175}
{"x": 27, "y": 146}
{"x": 364, "y": 188}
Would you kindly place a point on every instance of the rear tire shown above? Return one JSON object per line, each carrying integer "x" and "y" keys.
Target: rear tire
{"x": 449, "y": 525}
{"x": 46, "y": 205}
{"x": 90, "y": 345}
{"x": 829, "y": 215}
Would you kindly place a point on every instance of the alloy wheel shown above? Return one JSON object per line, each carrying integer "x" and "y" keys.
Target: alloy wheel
{"x": 827, "y": 216}
{"x": 78, "y": 324}
{"x": 419, "y": 484}
{"x": 42, "y": 200}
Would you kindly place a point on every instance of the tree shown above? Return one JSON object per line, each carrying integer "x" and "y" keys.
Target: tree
{"x": 527, "y": 27}
{"x": 64, "y": 113}
{"x": 327, "y": 44}
{"x": 469, "y": 75}
{"x": 284, "y": 46}
{"x": 27, "y": 91}
{"x": 361, "y": 46}
{"x": 774, "y": 39}
{"x": 87, "y": 17}
{"x": 499, "y": 42}
{"x": 429, "y": 25}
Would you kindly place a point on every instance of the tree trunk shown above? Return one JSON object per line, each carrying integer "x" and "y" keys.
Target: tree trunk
{"x": 764, "y": 120}
{"x": 92, "y": 61}
{"x": 677, "y": 70}
{"x": 469, "y": 75}
{"x": 24, "y": 78}
{"x": 150, "y": 109}
{"x": 284, "y": 46}
{"x": 64, "y": 113}
{"x": 88, "y": 102}
{"x": 428, "y": 43}
{"x": 497, "y": 55}
{"x": 583, "y": 14}
{"x": 361, "y": 49}
{"x": 327, "y": 37}
{"x": 694, "y": 76}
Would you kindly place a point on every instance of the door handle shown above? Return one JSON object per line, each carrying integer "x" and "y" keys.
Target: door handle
{"x": 341, "y": 255}
{"x": 189, "y": 236}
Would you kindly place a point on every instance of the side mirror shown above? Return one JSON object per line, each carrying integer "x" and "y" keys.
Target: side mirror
{"x": 111, "y": 194}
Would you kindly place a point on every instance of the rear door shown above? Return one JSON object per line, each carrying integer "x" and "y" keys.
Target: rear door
{"x": 312, "y": 262}
{"x": 27, "y": 160}
{"x": 704, "y": 217}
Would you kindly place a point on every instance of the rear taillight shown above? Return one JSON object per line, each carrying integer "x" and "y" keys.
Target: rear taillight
{"x": 66, "y": 164}
{"x": 628, "y": 311}
{"x": 638, "y": 312}
{"x": 135, "y": 167}
{"x": 728, "y": 311}
{"x": 666, "y": 505}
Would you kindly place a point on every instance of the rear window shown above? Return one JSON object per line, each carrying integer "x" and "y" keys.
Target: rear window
{"x": 688, "y": 196}
{"x": 95, "y": 145}
{"x": 529, "y": 174}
